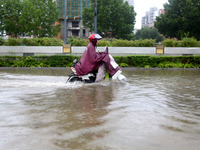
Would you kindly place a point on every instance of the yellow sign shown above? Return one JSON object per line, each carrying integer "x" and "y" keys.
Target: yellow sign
{"x": 159, "y": 49}
{"x": 67, "y": 48}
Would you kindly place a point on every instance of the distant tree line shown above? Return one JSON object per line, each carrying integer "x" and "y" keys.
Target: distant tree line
{"x": 117, "y": 19}
{"x": 149, "y": 33}
{"x": 114, "y": 18}
{"x": 29, "y": 17}
{"x": 181, "y": 19}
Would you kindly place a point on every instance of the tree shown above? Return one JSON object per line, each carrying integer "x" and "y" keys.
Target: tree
{"x": 114, "y": 18}
{"x": 30, "y": 17}
{"x": 148, "y": 33}
{"x": 45, "y": 15}
{"x": 2, "y": 17}
{"x": 12, "y": 12}
{"x": 182, "y": 17}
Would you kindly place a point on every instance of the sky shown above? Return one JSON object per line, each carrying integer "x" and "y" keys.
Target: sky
{"x": 141, "y": 6}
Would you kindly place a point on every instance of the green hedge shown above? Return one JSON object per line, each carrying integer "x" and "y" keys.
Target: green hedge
{"x": 31, "y": 42}
{"x": 185, "y": 42}
{"x": 78, "y": 42}
{"x": 114, "y": 42}
{"x": 136, "y": 43}
{"x": 75, "y": 42}
{"x": 123, "y": 61}
{"x": 159, "y": 61}
{"x": 37, "y": 61}
{"x": 2, "y": 41}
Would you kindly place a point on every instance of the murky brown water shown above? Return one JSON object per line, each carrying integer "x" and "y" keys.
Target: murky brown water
{"x": 154, "y": 110}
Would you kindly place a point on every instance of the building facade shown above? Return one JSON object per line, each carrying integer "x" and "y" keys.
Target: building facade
{"x": 74, "y": 17}
{"x": 150, "y": 17}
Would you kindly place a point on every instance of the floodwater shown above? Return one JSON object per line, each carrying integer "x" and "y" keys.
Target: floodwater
{"x": 154, "y": 110}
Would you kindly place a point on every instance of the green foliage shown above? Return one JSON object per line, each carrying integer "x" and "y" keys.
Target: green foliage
{"x": 114, "y": 42}
{"x": 180, "y": 17}
{"x": 78, "y": 42}
{"x": 189, "y": 42}
{"x": 44, "y": 42}
{"x": 185, "y": 42}
{"x": 123, "y": 61}
{"x": 12, "y": 42}
{"x": 115, "y": 18}
{"x": 149, "y": 33}
{"x": 29, "y": 17}
{"x": 2, "y": 41}
{"x": 55, "y": 62}
{"x": 104, "y": 42}
{"x": 159, "y": 61}
{"x": 2, "y": 14}
{"x": 147, "y": 43}
{"x": 45, "y": 14}
{"x": 28, "y": 62}
{"x": 170, "y": 42}
{"x": 12, "y": 14}
{"x": 6, "y": 61}
{"x": 60, "y": 61}
{"x": 167, "y": 64}
{"x": 33, "y": 42}
{"x": 131, "y": 43}
{"x": 123, "y": 65}
{"x": 37, "y": 61}
{"x": 121, "y": 43}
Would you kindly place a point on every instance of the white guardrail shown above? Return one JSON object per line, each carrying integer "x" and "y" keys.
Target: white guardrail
{"x": 30, "y": 50}
{"x": 59, "y": 50}
{"x": 182, "y": 50}
{"x": 119, "y": 50}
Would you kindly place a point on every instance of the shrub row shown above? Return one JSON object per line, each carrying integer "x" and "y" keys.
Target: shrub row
{"x": 185, "y": 42}
{"x": 37, "y": 61}
{"x": 31, "y": 42}
{"x": 114, "y": 42}
{"x": 123, "y": 61}
{"x": 159, "y": 61}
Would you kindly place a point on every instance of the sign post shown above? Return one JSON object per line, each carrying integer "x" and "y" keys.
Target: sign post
{"x": 67, "y": 48}
{"x": 159, "y": 49}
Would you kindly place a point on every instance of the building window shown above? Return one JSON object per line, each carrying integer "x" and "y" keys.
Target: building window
{"x": 75, "y": 23}
{"x": 75, "y": 32}
{"x": 83, "y": 32}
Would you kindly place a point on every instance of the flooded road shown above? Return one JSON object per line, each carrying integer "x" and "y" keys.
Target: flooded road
{"x": 154, "y": 110}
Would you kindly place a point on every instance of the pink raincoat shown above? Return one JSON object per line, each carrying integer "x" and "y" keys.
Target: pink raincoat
{"x": 92, "y": 60}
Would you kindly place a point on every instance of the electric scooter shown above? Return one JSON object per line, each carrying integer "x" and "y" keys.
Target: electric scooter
{"x": 97, "y": 75}
{"x": 88, "y": 78}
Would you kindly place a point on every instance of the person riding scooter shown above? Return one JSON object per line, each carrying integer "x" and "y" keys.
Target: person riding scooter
{"x": 92, "y": 60}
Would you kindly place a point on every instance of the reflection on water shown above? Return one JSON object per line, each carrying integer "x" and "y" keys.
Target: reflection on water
{"x": 154, "y": 110}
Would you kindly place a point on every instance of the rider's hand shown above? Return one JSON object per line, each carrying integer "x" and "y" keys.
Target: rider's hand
{"x": 106, "y": 49}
